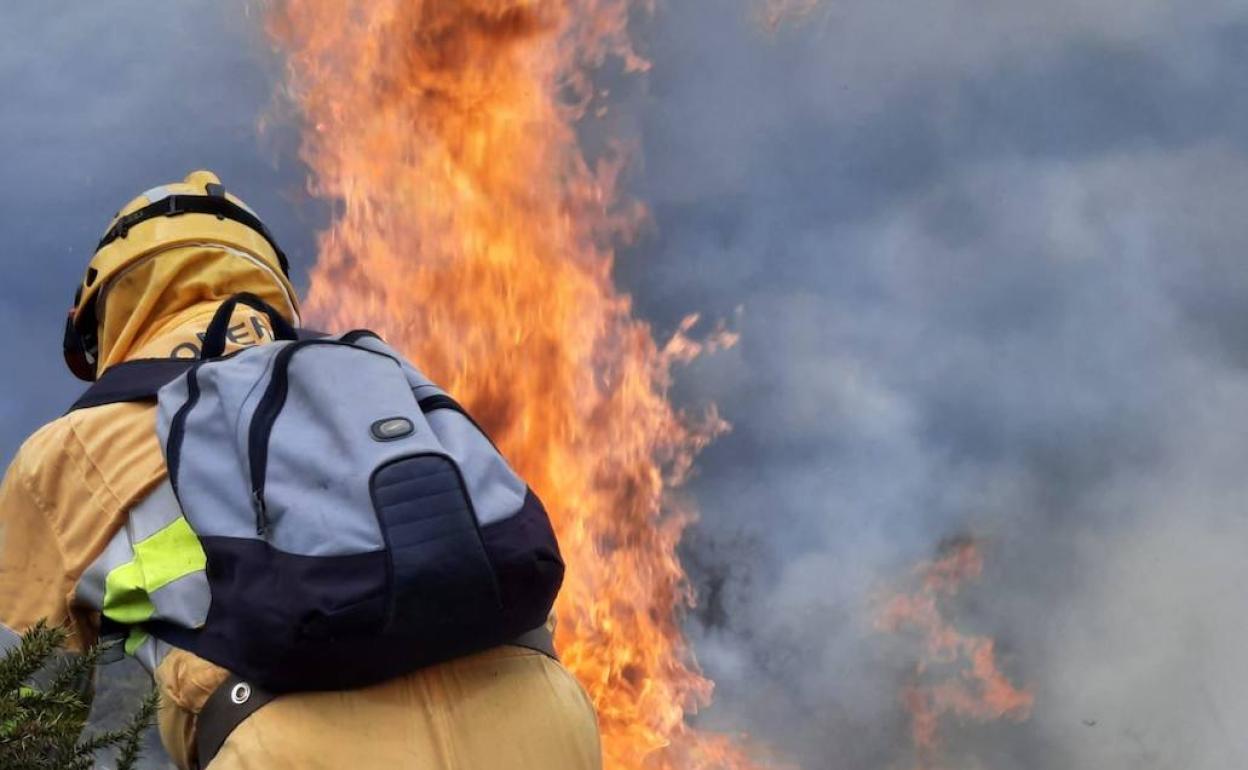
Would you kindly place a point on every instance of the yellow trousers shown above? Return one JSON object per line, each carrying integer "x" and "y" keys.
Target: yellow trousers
{"x": 505, "y": 709}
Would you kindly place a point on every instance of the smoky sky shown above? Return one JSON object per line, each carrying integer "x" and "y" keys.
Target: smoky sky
{"x": 100, "y": 102}
{"x": 987, "y": 265}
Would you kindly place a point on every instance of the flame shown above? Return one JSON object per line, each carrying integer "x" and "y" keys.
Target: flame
{"x": 955, "y": 674}
{"x": 473, "y": 233}
{"x": 775, "y": 13}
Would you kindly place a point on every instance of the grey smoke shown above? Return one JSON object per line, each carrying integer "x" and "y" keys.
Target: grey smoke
{"x": 989, "y": 265}
{"x": 991, "y": 269}
{"x": 100, "y": 102}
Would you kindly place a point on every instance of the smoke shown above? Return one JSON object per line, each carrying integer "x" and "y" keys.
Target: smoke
{"x": 989, "y": 265}
{"x": 103, "y": 101}
{"x": 990, "y": 269}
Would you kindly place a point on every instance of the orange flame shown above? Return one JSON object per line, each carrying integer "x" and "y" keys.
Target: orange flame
{"x": 473, "y": 233}
{"x": 977, "y": 689}
{"x": 774, "y": 13}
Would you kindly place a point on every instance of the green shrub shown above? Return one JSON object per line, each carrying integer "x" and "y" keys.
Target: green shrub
{"x": 44, "y": 703}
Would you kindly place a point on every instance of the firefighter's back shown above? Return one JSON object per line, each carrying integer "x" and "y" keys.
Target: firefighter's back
{"x": 80, "y": 538}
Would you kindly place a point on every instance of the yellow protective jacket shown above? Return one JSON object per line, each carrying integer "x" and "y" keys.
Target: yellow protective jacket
{"x": 67, "y": 493}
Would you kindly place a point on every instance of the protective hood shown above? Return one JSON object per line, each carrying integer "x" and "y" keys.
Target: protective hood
{"x": 157, "y": 307}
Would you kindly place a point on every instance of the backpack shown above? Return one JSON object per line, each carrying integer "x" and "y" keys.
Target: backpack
{"x": 357, "y": 523}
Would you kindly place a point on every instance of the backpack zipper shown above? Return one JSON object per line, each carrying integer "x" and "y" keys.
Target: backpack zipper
{"x": 265, "y": 416}
{"x": 177, "y": 428}
{"x": 262, "y": 420}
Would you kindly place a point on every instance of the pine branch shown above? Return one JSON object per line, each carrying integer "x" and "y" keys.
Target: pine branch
{"x": 76, "y": 672}
{"x": 38, "y": 646}
{"x": 41, "y": 723}
{"x": 132, "y": 740}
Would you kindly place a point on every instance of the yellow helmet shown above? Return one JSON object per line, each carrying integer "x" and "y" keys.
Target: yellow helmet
{"x": 196, "y": 210}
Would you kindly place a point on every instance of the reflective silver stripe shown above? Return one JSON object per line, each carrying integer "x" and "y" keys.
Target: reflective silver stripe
{"x": 90, "y": 590}
{"x": 151, "y": 652}
{"x": 184, "y": 601}
{"x": 156, "y": 193}
{"x": 163, "y": 191}
{"x": 242, "y": 205}
{"x": 157, "y": 511}
{"x": 8, "y": 639}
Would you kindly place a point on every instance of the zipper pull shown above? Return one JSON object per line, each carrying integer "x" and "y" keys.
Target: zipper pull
{"x": 262, "y": 514}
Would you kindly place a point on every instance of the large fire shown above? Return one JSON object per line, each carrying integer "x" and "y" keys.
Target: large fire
{"x": 955, "y": 674}
{"x": 471, "y": 230}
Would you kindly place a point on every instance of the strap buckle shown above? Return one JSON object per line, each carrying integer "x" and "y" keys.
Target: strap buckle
{"x": 168, "y": 206}
{"x": 227, "y": 707}
{"x": 122, "y": 228}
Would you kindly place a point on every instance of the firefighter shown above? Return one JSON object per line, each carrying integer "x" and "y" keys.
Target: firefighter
{"x": 167, "y": 262}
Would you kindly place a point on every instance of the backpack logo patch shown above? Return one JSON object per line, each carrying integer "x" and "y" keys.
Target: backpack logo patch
{"x": 392, "y": 428}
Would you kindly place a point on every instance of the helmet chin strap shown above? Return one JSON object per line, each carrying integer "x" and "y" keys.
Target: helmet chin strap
{"x": 79, "y": 350}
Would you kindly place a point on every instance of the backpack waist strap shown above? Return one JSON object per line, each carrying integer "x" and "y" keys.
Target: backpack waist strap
{"x": 231, "y": 703}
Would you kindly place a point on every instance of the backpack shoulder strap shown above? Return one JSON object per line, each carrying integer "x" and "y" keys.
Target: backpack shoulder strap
{"x": 137, "y": 380}
{"x": 140, "y": 379}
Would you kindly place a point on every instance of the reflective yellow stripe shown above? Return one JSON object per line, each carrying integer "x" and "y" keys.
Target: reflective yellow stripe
{"x": 169, "y": 554}
{"x": 125, "y": 597}
{"x": 136, "y": 638}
